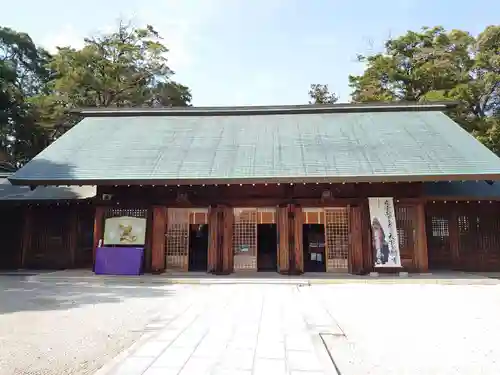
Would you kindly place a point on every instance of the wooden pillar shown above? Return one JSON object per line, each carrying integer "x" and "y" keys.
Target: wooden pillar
{"x": 148, "y": 242}
{"x": 158, "y": 239}
{"x": 366, "y": 237}
{"x": 421, "y": 259}
{"x": 227, "y": 240}
{"x": 454, "y": 237}
{"x": 27, "y": 234}
{"x": 73, "y": 235}
{"x": 356, "y": 241}
{"x": 283, "y": 239}
{"x": 98, "y": 229}
{"x": 298, "y": 219}
{"x": 213, "y": 238}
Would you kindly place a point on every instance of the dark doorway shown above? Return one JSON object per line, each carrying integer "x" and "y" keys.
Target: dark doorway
{"x": 198, "y": 247}
{"x": 314, "y": 247}
{"x": 11, "y": 230}
{"x": 267, "y": 239}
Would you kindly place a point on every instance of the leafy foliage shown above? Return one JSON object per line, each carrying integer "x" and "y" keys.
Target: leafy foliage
{"x": 125, "y": 68}
{"x": 320, "y": 94}
{"x": 436, "y": 65}
{"x": 22, "y": 76}
{"x": 119, "y": 69}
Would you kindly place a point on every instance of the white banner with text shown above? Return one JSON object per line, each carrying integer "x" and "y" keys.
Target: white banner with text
{"x": 385, "y": 244}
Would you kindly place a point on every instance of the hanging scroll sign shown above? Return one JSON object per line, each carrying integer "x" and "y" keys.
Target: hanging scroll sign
{"x": 385, "y": 244}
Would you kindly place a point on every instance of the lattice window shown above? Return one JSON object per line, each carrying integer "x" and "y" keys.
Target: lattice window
{"x": 245, "y": 238}
{"x": 132, "y": 212}
{"x": 468, "y": 232}
{"x": 177, "y": 241}
{"x": 439, "y": 236}
{"x": 337, "y": 238}
{"x": 440, "y": 227}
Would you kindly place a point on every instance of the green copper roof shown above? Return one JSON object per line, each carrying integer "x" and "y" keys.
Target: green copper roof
{"x": 245, "y": 146}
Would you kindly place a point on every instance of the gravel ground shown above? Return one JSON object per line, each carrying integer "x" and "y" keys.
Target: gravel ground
{"x": 415, "y": 329}
{"x": 50, "y": 327}
{"x": 61, "y": 328}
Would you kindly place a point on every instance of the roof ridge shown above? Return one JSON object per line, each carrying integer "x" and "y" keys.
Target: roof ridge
{"x": 266, "y": 110}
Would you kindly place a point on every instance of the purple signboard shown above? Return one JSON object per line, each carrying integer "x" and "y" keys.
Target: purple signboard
{"x": 118, "y": 260}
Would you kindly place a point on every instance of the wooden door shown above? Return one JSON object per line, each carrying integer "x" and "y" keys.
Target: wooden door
{"x": 177, "y": 241}
{"x": 406, "y": 224}
{"x": 337, "y": 238}
{"x": 245, "y": 239}
{"x": 356, "y": 265}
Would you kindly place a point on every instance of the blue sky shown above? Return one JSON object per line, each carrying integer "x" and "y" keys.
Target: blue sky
{"x": 253, "y": 52}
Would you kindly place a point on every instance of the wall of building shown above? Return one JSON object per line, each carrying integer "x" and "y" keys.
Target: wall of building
{"x": 11, "y": 232}
{"x": 56, "y": 236}
{"x": 463, "y": 235}
{"x": 432, "y": 235}
{"x": 231, "y": 211}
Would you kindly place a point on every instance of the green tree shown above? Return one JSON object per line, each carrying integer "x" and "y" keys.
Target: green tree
{"x": 320, "y": 94}
{"x": 414, "y": 65}
{"x": 481, "y": 97}
{"x": 125, "y": 68}
{"x": 22, "y": 76}
{"x": 435, "y": 64}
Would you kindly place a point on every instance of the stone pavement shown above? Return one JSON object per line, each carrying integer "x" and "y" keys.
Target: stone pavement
{"x": 348, "y": 329}
{"x": 237, "y": 329}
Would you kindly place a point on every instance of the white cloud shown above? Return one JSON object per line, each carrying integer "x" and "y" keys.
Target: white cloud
{"x": 180, "y": 23}
{"x": 184, "y": 24}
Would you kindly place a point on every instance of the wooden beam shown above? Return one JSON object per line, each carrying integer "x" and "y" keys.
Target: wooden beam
{"x": 213, "y": 238}
{"x": 148, "y": 243}
{"x": 367, "y": 237}
{"x": 355, "y": 258}
{"x": 27, "y": 234}
{"x": 158, "y": 239}
{"x": 283, "y": 237}
{"x": 420, "y": 256}
{"x": 454, "y": 237}
{"x": 227, "y": 241}
{"x": 298, "y": 219}
{"x": 98, "y": 229}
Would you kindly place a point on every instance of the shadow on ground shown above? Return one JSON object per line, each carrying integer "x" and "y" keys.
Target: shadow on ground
{"x": 19, "y": 294}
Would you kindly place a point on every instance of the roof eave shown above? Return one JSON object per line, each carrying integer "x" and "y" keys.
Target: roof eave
{"x": 260, "y": 180}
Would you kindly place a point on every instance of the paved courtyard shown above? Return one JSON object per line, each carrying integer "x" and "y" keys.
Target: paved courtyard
{"x": 355, "y": 328}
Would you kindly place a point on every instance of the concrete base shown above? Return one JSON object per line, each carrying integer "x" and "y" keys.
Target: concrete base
{"x": 403, "y": 274}
{"x": 374, "y": 274}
